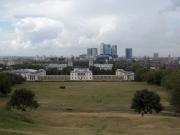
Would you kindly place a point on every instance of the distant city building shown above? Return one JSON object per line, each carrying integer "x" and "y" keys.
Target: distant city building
{"x": 57, "y": 60}
{"x": 91, "y": 63}
{"x": 104, "y": 66}
{"x": 30, "y": 74}
{"x": 128, "y": 52}
{"x": 83, "y": 57}
{"x": 114, "y": 51}
{"x": 103, "y": 58}
{"x": 81, "y": 74}
{"x": 92, "y": 52}
{"x": 70, "y": 62}
{"x": 58, "y": 66}
{"x": 156, "y": 55}
{"x": 125, "y": 75}
{"x": 107, "y": 49}
{"x": 10, "y": 62}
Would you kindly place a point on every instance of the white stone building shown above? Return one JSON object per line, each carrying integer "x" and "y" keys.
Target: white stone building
{"x": 81, "y": 74}
{"x": 10, "y": 62}
{"x": 30, "y": 74}
{"x": 58, "y": 66}
{"x": 125, "y": 75}
{"x": 104, "y": 66}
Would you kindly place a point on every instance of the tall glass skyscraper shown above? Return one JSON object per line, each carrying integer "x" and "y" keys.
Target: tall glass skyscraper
{"x": 107, "y": 49}
{"x": 128, "y": 53}
{"x": 92, "y": 52}
{"x": 114, "y": 51}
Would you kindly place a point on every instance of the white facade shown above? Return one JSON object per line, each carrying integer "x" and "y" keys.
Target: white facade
{"x": 81, "y": 74}
{"x": 104, "y": 66}
{"x": 9, "y": 62}
{"x": 58, "y": 66}
{"x": 125, "y": 75}
{"x": 30, "y": 74}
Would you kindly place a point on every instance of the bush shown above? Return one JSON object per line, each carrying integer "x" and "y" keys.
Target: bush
{"x": 7, "y": 81}
{"x": 172, "y": 82}
{"x": 175, "y": 99}
{"x": 145, "y": 101}
{"x": 23, "y": 99}
{"x": 5, "y": 85}
{"x": 154, "y": 77}
{"x": 62, "y": 87}
{"x": 139, "y": 72}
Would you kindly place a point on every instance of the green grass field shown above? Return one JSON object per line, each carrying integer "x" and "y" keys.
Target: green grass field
{"x": 98, "y": 108}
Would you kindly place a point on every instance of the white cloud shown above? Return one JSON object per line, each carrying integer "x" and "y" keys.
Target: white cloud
{"x": 65, "y": 27}
{"x": 35, "y": 31}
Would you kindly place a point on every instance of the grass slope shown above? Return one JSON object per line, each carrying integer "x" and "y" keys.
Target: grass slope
{"x": 98, "y": 108}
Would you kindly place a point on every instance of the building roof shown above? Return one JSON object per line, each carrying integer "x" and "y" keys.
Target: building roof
{"x": 57, "y": 65}
{"x": 123, "y": 71}
{"x": 81, "y": 70}
{"x": 32, "y": 71}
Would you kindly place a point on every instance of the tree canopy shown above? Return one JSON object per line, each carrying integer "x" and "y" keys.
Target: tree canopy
{"x": 23, "y": 99}
{"x": 7, "y": 81}
{"x": 145, "y": 101}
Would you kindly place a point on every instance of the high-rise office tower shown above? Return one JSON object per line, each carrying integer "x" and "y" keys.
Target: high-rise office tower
{"x": 114, "y": 51}
{"x": 105, "y": 49}
{"x": 92, "y": 52}
{"x": 156, "y": 55}
{"x": 128, "y": 53}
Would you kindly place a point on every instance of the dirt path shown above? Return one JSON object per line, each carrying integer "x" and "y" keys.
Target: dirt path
{"x": 23, "y": 132}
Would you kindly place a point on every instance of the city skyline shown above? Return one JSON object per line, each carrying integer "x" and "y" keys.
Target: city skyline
{"x": 69, "y": 27}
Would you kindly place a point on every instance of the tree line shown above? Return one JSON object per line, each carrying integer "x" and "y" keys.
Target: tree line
{"x": 169, "y": 79}
{"x": 21, "y": 99}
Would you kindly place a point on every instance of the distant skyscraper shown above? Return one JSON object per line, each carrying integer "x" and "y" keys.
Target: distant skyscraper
{"x": 156, "y": 55}
{"x": 107, "y": 49}
{"x": 114, "y": 51}
{"x": 92, "y": 52}
{"x": 129, "y": 53}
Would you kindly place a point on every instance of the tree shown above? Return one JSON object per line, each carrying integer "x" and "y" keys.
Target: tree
{"x": 171, "y": 80}
{"x": 172, "y": 83}
{"x": 139, "y": 72}
{"x": 23, "y": 99}
{"x": 154, "y": 77}
{"x": 145, "y": 101}
{"x": 7, "y": 81}
{"x": 5, "y": 85}
{"x": 174, "y": 99}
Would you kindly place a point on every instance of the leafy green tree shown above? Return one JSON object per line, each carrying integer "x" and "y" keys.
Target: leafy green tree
{"x": 154, "y": 77}
{"x": 175, "y": 99}
{"x": 171, "y": 80}
{"x": 23, "y": 99}
{"x": 172, "y": 83}
{"x": 145, "y": 101}
{"x": 139, "y": 72}
{"x": 5, "y": 84}
{"x": 30, "y": 66}
{"x": 7, "y": 81}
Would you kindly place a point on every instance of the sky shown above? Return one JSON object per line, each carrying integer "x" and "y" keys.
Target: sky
{"x": 69, "y": 27}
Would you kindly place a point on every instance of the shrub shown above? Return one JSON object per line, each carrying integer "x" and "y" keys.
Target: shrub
{"x": 145, "y": 101}
{"x": 62, "y": 87}
{"x": 23, "y": 99}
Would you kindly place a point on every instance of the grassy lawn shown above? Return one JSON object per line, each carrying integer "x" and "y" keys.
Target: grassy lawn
{"x": 98, "y": 108}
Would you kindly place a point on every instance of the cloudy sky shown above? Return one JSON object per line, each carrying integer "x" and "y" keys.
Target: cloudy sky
{"x": 68, "y": 27}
